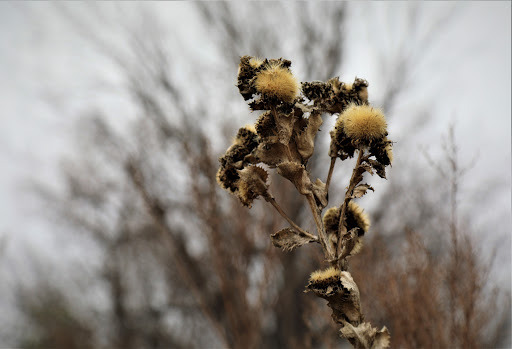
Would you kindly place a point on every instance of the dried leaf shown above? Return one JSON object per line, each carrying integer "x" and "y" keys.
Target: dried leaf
{"x": 297, "y": 174}
{"x": 289, "y": 238}
{"x": 271, "y": 154}
{"x": 365, "y": 336}
{"x": 379, "y": 168}
{"x": 306, "y": 139}
{"x": 350, "y": 240}
{"x": 320, "y": 194}
{"x": 360, "y": 190}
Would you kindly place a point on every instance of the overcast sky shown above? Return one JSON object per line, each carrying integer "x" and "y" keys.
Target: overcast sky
{"x": 50, "y": 77}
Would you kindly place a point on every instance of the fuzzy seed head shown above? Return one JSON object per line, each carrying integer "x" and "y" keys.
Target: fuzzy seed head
{"x": 277, "y": 81}
{"x": 361, "y": 218}
{"x": 328, "y": 274}
{"x": 362, "y": 122}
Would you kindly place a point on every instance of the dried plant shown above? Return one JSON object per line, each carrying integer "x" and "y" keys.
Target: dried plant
{"x": 282, "y": 139}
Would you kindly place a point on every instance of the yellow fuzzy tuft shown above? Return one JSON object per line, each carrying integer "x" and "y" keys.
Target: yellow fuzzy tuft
{"x": 276, "y": 81}
{"x": 362, "y": 219}
{"x": 363, "y": 122}
{"x": 322, "y": 275}
{"x": 347, "y": 86}
{"x": 255, "y": 62}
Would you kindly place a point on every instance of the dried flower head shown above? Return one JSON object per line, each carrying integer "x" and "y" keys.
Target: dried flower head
{"x": 277, "y": 81}
{"x": 331, "y": 220}
{"x": 362, "y": 122}
{"x": 356, "y": 217}
{"x": 247, "y": 137}
{"x": 252, "y": 183}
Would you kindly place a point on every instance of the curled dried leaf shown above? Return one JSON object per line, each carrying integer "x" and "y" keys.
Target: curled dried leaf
{"x": 273, "y": 154}
{"x": 320, "y": 194}
{"x": 289, "y": 238}
{"x": 360, "y": 190}
{"x": 379, "y": 168}
{"x": 297, "y": 174}
{"x": 305, "y": 140}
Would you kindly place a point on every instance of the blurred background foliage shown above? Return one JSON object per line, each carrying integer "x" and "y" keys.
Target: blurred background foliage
{"x": 169, "y": 260}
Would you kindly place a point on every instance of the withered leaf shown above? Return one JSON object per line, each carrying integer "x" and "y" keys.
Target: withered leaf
{"x": 272, "y": 154}
{"x": 319, "y": 192}
{"x": 365, "y": 336}
{"x": 360, "y": 190}
{"x": 349, "y": 242}
{"x": 289, "y": 238}
{"x": 297, "y": 174}
{"x": 379, "y": 168}
{"x": 305, "y": 140}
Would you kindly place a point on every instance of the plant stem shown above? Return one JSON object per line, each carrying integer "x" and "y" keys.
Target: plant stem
{"x": 329, "y": 176}
{"x": 328, "y": 250}
{"x": 285, "y": 216}
{"x": 342, "y": 226}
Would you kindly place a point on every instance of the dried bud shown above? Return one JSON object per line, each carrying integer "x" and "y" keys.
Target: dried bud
{"x": 247, "y": 137}
{"x": 341, "y": 292}
{"x": 277, "y": 81}
{"x": 266, "y": 127}
{"x": 355, "y": 215}
{"x": 331, "y": 220}
{"x": 363, "y": 123}
{"x": 357, "y": 218}
{"x": 252, "y": 183}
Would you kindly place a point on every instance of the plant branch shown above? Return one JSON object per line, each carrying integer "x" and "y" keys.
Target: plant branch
{"x": 329, "y": 175}
{"x": 342, "y": 227}
{"x": 324, "y": 241}
{"x": 272, "y": 201}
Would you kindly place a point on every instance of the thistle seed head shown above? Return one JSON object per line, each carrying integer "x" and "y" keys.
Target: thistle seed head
{"x": 277, "y": 81}
{"x": 363, "y": 123}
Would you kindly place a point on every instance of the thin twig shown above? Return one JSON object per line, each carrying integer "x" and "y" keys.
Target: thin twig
{"x": 329, "y": 175}
{"x": 329, "y": 253}
{"x": 285, "y": 216}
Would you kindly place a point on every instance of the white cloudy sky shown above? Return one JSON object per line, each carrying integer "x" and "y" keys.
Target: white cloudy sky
{"x": 50, "y": 75}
